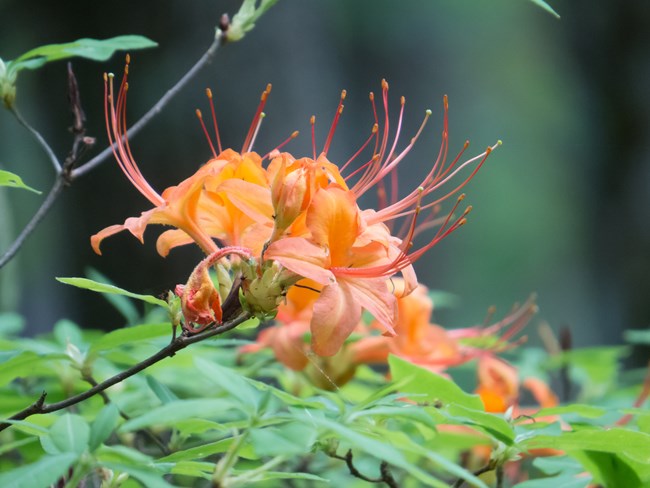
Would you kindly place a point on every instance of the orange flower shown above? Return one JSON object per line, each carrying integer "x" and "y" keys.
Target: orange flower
{"x": 177, "y": 206}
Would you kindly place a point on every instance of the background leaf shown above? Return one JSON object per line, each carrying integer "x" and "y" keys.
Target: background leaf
{"x": 8, "y": 178}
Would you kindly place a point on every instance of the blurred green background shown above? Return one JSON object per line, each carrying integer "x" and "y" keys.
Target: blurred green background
{"x": 561, "y": 209}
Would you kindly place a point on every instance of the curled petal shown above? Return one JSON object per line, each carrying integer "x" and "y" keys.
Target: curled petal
{"x": 302, "y": 257}
{"x": 336, "y": 314}
{"x": 135, "y": 225}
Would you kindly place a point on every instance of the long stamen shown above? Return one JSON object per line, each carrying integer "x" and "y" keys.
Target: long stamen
{"x": 199, "y": 115}
{"x": 255, "y": 123}
{"x": 293, "y": 135}
{"x": 312, "y": 122}
{"x": 257, "y": 129}
{"x": 339, "y": 111}
{"x": 373, "y": 134}
{"x": 115, "y": 116}
{"x": 208, "y": 92}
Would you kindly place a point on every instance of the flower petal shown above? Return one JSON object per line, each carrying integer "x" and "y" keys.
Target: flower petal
{"x": 302, "y": 257}
{"x": 336, "y": 314}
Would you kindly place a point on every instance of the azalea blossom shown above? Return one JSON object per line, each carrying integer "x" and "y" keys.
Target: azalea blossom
{"x": 300, "y": 217}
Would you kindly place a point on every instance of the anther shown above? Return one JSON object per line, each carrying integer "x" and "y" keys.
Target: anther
{"x": 384, "y": 84}
{"x": 445, "y": 102}
{"x": 105, "y": 77}
{"x": 402, "y": 100}
{"x": 312, "y": 119}
{"x": 375, "y": 128}
{"x": 127, "y": 58}
{"x": 428, "y": 112}
{"x": 344, "y": 94}
{"x": 208, "y": 93}
{"x": 371, "y": 96}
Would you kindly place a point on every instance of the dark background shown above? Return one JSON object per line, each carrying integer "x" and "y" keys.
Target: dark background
{"x": 561, "y": 209}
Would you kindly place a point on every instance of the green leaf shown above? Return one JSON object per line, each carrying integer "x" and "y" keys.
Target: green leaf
{"x": 278, "y": 475}
{"x": 637, "y": 336}
{"x": 148, "y": 476}
{"x": 429, "y": 386}
{"x": 542, "y": 4}
{"x": 244, "y": 20}
{"x": 11, "y": 324}
{"x": 70, "y": 433}
{"x": 130, "y": 335}
{"x": 291, "y": 439}
{"x": 121, "y": 303}
{"x": 17, "y": 366}
{"x": 490, "y": 423}
{"x": 164, "y": 394}
{"x": 174, "y": 411}
{"x": 66, "y": 331}
{"x": 608, "y": 469}
{"x": 10, "y": 179}
{"x": 205, "y": 450}
{"x": 91, "y": 285}
{"x": 587, "y": 411}
{"x": 230, "y": 381}
{"x": 97, "y": 50}
{"x": 103, "y": 426}
{"x": 44, "y": 472}
{"x": 635, "y": 445}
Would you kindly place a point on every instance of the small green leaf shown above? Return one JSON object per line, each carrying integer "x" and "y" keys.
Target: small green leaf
{"x": 10, "y": 179}
{"x": 11, "y": 324}
{"x": 103, "y": 426}
{"x": 542, "y": 4}
{"x": 490, "y": 423}
{"x": 429, "y": 386}
{"x": 130, "y": 335}
{"x": 230, "y": 381}
{"x": 70, "y": 433}
{"x": 148, "y": 476}
{"x": 635, "y": 445}
{"x": 637, "y": 336}
{"x": 587, "y": 411}
{"x": 174, "y": 411}
{"x": 17, "y": 366}
{"x": 205, "y": 450}
{"x": 291, "y": 439}
{"x": 91, "y": 285}
{"x": 97, "y": 50}
{"x": 44, "y": 472}
{"x": 164, "y": 394}
{"x": 244, "y": 20}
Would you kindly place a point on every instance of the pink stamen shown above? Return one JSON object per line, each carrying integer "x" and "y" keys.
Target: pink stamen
{"x": 248, "y": 142}
{"x": 199, "y": 115}
{"x": 293, "y": 135}
{"x": 208, "y": 92}
{"x": 115, "y": 116}
{"x": 339, "y": 111}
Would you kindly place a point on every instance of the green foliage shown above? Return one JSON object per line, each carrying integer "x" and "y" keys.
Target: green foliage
{"x": 244, "y": 20}
{"x": 94, "y": 49}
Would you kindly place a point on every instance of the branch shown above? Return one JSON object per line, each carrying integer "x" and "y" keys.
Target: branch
{"x": 488, "y": 467}
{"x": 386, "y": 476}
{"x": 39, "y": 406}
{"x": 39, "y": 138}
{"x": 66, "y": 174}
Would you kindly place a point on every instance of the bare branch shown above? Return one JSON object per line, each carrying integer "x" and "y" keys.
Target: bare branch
{"x": 39, "y": 138}
{"x": 386, "y": 475}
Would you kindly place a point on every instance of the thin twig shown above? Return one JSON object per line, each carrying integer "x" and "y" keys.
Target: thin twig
{"x": 460, "y": 481}
{"x": 39, "y": 406}
{"x": 66, "y": 177}
{"x": 386, "y": 475}
{"x": 39, "y": 138}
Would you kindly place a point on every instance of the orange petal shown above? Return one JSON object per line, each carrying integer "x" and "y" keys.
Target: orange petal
{"x": 302, "y": 257}
{"x": 336, "y": 314}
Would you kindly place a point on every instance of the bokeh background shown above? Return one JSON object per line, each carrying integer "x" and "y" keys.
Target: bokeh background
{"x": 561, "y": 209}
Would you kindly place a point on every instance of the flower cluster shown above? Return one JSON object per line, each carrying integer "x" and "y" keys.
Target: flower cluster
{"x": 278, "y": 225}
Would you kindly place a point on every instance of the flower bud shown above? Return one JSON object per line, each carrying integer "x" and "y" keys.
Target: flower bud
{"x": 200, "y": 300}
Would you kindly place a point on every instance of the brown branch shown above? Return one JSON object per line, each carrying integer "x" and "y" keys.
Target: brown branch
{"x": 488, "y": 467}
{"x": 384, "y": 469}
{"x": 39, "y": 406}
